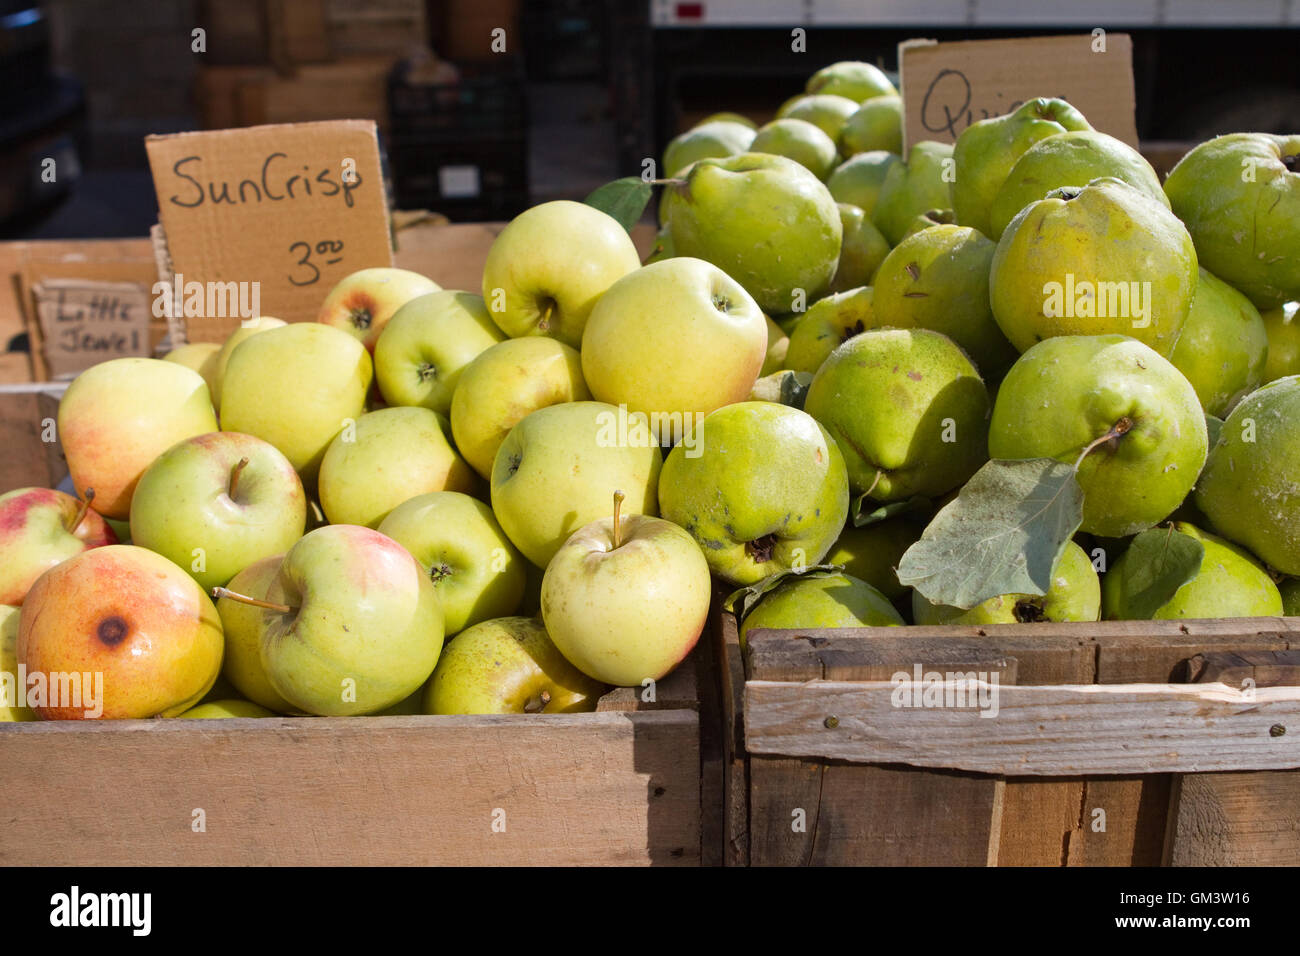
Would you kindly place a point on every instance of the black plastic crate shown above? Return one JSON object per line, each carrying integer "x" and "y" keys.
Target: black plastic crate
{"x": 467, "y": 181}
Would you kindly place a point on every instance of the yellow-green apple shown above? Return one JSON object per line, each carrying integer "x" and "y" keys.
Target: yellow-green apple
{"x": 1223, "y": 345}
{"x": 556, "y": 469}
{"x": 763, "y": 490}
{"x": 828, "y": 111}
{"x": 676, "y": 311}
{"x": 388, "y": 457}
{"x": 136, "y": 630}
{"x": 872, "y": 552}
{"x": 723, "y": 207}
{"x": 506, "y": 383}
{"x": 854, "y": 79}
{"x": 728, "y": 117}
{"x": 202, "y": 357}
{"x": 912, "y": 187}
{"x": 1229, "y": 583}
{"x": 426, "y": 345}
{"x": 247, "y": 329}
{"x": 778, "y": 343}
{"x": 827, "y": 325}
{"x": 1068, "y": 392}
{"x": 626, "y": 597}
{"x": 547, "y": 268}
{"x": 1240, "y": 198}
{"x": 1248, "y": 488}
{"x": 215, "y": 503}
{"x": 862, "y": 250}
{"x": 475, "y": 569}
{"x": 1105, "y": 258}
{"x": 241, "y": 624}
{"x": 39, "y": 528}
{"x": 830, "y": 600}
{"x": 508, "y": 665}
{"x": 857, "y": 180}
{"x": 1282, "y": 323}
{"x": 353, "y": 624}
{"x": 363, "y": 302}
{"x": 799, "y": 140}
{"x": 908, "y": 410}
{"x": 876, "y": 124}
{"x": 217, "y": 709}
{"x": 1073, "y": 595}
{"x": 118, "y": 416}
{"x": 13, "y": 693}
{"x": 1073, "y": 158}
{"x": 938, "y": 279}
{"x": 711, "y": 139}
{"x": 986, "y": 151}
{"x": 297, "y": 387}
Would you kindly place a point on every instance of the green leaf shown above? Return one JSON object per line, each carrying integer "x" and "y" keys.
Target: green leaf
{"x": 1213, "y": 426}
{"x": 1003, "y": 534}
{"x": 862, "y": 517}
{"x": 1157, "y": 563}
{"x": 625, "y": 199}
{"x": 741, "y": 601}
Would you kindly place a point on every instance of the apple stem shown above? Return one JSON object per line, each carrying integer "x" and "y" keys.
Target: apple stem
{"x": 671, "y": 181}
{"x": 618, "y": 509}
{"x": 1121, "y": 427}
{"x": 537, "y": 704}
{"x": 234, "y": 476}
{"x": 245, "y": 599}
{"x": 84, "y": 506}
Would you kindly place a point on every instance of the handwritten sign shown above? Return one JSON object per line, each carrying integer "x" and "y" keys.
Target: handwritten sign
{"x": 84, "y": 322}
{"x": 948, "y": 86}
{"x": 293, "y": 208}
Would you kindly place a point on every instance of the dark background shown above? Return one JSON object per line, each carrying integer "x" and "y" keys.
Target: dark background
{"x": 584, "y": 91}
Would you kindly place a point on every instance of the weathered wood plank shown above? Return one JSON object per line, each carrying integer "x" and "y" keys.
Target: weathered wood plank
{"x": 569, "y": 789}
{"x": 1235, "y": 819}
{"x": 1062, "y": 730}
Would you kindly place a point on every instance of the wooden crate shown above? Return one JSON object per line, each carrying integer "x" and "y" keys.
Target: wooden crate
{"x": 1118, "y": 743}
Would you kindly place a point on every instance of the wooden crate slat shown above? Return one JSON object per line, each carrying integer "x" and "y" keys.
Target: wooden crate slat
{"x": 1061, "y": 730}
{"x": 575, "y": 789}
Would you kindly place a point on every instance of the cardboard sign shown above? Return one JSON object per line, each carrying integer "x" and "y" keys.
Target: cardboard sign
{"x": 292, "y": 208}
{"x": 948, "y": 86}
{"x": 86, "y": 322}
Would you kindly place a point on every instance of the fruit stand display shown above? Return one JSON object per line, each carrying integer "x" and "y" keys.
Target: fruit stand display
{"x": 964, "y": 471}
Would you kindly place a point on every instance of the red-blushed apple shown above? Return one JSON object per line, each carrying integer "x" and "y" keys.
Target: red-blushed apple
{"x": 351, "y": 624}
{"x": 127, "y": 622}
{"x": 39, "y": 528}
{"x": 118, "y": 416}
{"x": 216, "y": 503}
{"x": 548, "y": 267}
{"x": 508, "y": 665}
{"x": 242, "y": 626}
{"x": 363, "y": 302}
{"x": 626, "y": 598}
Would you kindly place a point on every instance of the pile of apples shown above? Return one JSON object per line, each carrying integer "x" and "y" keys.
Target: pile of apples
{"x": 449, "y": 502}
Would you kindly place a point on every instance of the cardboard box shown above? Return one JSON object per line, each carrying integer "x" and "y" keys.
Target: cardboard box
{"x": 353, "y": 88}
